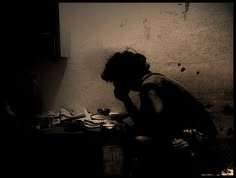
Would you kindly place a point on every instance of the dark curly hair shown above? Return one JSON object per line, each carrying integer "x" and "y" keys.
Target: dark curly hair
{"x": 125, "y": 65}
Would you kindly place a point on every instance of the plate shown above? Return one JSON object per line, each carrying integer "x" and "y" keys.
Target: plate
{"x": 100, "y": 117}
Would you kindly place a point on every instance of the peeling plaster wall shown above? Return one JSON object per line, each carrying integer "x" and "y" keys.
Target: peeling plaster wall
{"x": 192, "y": 43}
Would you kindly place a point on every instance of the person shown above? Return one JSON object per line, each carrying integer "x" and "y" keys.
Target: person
{"x": 21, "y": 102}
{"x": 170, "y": 119}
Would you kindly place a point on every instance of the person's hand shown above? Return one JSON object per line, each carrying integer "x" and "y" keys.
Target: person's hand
{"x": 179, "y": 144}
{"x": 193, "y": 134}
{"x": 121, "y": 94}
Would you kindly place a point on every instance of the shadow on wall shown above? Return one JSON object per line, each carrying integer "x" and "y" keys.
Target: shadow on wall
{"x": 59, "y": 81}
{"x": 228, "y": 7}
{"x": 50, "y": 75}
{"x": 83, "y": 86}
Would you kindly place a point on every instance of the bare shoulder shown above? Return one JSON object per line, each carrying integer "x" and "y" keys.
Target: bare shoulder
{"x": 155, "y": 80}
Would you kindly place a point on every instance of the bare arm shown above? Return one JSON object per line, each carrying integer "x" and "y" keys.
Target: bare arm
{"x": 155, "y": 100}
{"x": 131, "y": 109}
{"x": 122, "y": 94}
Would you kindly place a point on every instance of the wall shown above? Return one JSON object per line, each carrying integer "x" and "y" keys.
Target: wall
{"x": 192, "y": 43}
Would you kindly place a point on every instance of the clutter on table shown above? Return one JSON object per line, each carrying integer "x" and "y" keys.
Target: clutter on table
{"x": 104, "y": 119}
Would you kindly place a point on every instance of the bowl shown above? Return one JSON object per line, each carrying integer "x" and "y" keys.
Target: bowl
{"x": 103, "y": 111}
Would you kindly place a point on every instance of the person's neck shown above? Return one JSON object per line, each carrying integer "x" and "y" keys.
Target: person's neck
{"x": 146, "y": 74}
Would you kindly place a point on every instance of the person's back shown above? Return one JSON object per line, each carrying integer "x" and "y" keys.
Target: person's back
{"x": 180, "y": 110}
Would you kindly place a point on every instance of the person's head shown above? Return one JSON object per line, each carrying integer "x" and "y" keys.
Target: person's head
{"x": 126, "y": 69}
